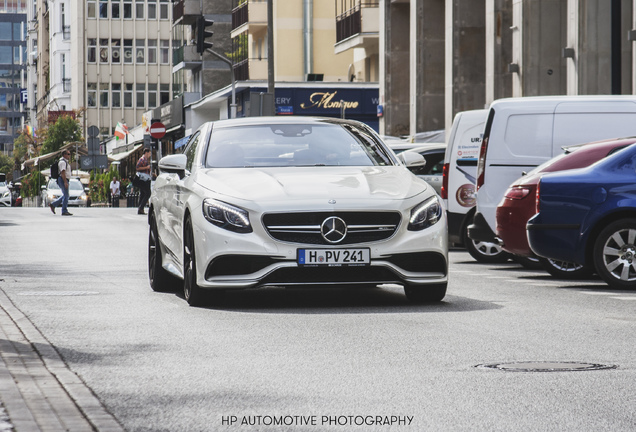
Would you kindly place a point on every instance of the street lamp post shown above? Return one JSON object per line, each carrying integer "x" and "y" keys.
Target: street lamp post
{"x": 229, "y": 62}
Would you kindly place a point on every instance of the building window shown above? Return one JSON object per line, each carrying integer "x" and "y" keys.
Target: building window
{"x": 116, "y": 102}
{"x": 140, "y": 51}
{"x": 103, "y": 8}
{"x": 139, "y": 9}
{"x": 115, "y": 46}
{"x": 128, "y": 51}
{"x": 103, "y": 50}
{"x": 90, "y": 9}
{"x": 127, "y": 9}
{"x": 92, "y": 94}
{"x": 92, "y": 50}
{"x": 163, "y": 9}
{"x": 152, "y": 95}
{"x": 103, "y": 95}
{"x": 164, "y": 93}
{"x": 140, "y": 96}
{"x": 128, "y": 95}
{"x": 115, "y": 4}
{"x": 165, "y": 51}
{"x": 5, "y": 31}
{"x": 152, "y": 51}
{"x": 152, "y": 9}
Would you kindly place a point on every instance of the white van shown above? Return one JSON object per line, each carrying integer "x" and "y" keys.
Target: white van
{"x": 458, "y": 184}
{"x": 522, "y": 133}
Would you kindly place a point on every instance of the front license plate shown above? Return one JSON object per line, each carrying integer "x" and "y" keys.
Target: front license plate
{"x": 334, "y": 257}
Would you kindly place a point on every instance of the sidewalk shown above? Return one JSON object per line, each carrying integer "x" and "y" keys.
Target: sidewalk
{"x": 38, "y": 391}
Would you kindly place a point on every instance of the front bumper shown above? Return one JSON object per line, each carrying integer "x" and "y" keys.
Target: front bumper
{"x": 238, "y": 261}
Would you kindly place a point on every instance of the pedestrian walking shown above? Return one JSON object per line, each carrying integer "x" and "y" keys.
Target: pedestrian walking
{"x": 143, "y": 172}
{"x": 114, "y": 191}
{"x": 64, "y": 169}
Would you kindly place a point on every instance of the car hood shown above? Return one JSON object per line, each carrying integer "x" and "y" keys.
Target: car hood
{"x": 273, "y": 184}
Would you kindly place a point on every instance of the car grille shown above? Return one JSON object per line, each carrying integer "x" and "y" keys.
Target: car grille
{"x": 305, "y": 228}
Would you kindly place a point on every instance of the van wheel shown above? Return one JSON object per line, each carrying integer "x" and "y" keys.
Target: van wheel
{"x": 564, "y": 269}
{"x": 615, "y": 254}
{"x": 485, "y": 252}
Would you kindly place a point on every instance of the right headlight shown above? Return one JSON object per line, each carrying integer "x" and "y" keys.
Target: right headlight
{"x": 425, "y": 214}
{"x": 227, "y": 216}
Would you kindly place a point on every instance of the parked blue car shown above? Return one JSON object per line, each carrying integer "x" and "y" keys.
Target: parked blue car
{"x": 588, "y": 216}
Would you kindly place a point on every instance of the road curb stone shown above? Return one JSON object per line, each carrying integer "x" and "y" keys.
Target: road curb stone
{"x": 39, "y": 392}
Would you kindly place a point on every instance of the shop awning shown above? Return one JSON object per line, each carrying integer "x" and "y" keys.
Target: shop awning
{"x": 122, "y": 152}
{"x": 81, "y": 149}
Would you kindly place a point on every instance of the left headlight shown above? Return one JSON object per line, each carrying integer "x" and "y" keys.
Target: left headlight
{"x": 425, "y": 214}
{"x": 82, "y": 197}
{"x": 227, "y": 216}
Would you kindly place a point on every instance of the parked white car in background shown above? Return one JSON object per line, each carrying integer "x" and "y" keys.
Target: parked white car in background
{"x": 5, "y": 195}
{"x": 294, "y": 202}
{"x": 77, "y": 196}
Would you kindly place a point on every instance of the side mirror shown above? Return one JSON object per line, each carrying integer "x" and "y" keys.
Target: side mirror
{"x": 411, "y": 159}
{"x": 43, "y": 187}
{"x": 173, "y": 164}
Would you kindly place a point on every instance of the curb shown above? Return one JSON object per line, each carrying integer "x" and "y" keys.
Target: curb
{"x": 38, "y": 390}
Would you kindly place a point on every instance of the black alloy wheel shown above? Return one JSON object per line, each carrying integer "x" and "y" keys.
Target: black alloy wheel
{"x": 425, "y": 293}
{"x": 615, "y": 254}
{"x": 160, "y": 279}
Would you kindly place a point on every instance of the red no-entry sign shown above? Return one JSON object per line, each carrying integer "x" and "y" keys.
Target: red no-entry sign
{"x": 157, "y": 130}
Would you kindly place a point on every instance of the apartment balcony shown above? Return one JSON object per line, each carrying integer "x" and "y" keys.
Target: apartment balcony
{"x": 251, "y": 69}
{"x": 186, "y": 57}
{"x": 248, "y": 15}
{"x": 186, "y": 11}
{"x": 357, "y": 25}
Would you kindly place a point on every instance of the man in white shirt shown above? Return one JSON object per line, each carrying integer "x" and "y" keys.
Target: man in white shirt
{"x": 114, "y": 191}
{"x": 62, "y": 181}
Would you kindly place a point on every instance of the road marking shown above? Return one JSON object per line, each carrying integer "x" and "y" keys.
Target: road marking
{"x": 624, "y": 298}
{"x": 599, "y": 293}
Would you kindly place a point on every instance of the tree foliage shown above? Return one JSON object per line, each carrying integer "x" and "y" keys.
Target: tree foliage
{"x": 6, "y": 166}
{"x": 66, "y": 129}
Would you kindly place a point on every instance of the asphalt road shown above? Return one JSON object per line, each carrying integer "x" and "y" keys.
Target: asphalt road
{"x": 315, "y": 360}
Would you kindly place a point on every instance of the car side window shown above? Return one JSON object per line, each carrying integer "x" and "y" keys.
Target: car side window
{"x": 191, "y": 151}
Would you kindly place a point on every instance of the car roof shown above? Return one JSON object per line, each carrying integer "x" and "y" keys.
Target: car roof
{"x": 299, "y": 120}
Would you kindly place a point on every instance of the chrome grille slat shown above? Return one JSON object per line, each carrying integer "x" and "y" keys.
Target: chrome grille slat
{"x": 304, "y": 228}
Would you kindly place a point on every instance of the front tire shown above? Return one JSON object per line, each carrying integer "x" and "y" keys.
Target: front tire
{"x": 425, "y": 293}
{"x": 193, "y": 294}
{"x": 565, "y": 270}
{"x": 160, "y": 279}
{"x": 615, "y": 254}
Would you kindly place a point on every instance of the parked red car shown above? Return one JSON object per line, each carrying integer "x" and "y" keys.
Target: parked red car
{"x": 519, "y": 202}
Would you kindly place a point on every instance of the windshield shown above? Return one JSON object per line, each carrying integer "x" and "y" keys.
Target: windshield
{"x": 290, "y": 145}
{"x": 74, "y": 184}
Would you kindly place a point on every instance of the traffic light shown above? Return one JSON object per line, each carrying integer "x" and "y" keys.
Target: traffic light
{"x": 202, "y": 34}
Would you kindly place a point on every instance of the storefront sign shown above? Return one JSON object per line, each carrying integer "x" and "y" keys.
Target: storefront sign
{"x": 328, "y": 100}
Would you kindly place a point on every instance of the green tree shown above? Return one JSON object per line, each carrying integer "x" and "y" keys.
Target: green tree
{"x": 66, "y": 129}
{"x": 6, "y": 166}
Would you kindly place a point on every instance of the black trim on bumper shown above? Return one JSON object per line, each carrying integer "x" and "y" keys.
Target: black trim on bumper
{"x": 479, "y": 230}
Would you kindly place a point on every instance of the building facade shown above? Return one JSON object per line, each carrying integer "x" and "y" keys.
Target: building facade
{"x": 13, "y": 58}
{"x": 439, "y": 57}
{"x": 111, "y": 58}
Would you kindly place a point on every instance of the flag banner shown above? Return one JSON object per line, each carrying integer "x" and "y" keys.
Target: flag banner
{"x": 121, "y": 130}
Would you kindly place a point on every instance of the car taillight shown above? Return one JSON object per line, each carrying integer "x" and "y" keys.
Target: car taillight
{"x": 481, "y": 164}
{"x": 517, "y": 193}
{"x": 538, "y": 197}
{"x": 444, "y": 192}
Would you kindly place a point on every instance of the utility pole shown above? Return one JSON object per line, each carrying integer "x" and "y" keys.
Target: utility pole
{"x": 231, "y": 64}
{"x": 270, "y": 47}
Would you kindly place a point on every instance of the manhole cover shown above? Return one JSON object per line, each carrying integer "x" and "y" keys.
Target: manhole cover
{"x": 57, "y": 293}
{"x": 546, "y": 366}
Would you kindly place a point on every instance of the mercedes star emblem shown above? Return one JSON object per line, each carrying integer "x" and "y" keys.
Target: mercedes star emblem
{"x": 333, "y": 229}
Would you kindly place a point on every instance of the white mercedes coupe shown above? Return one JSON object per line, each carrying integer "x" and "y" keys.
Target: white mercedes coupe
{"x": 294, "y": 202}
